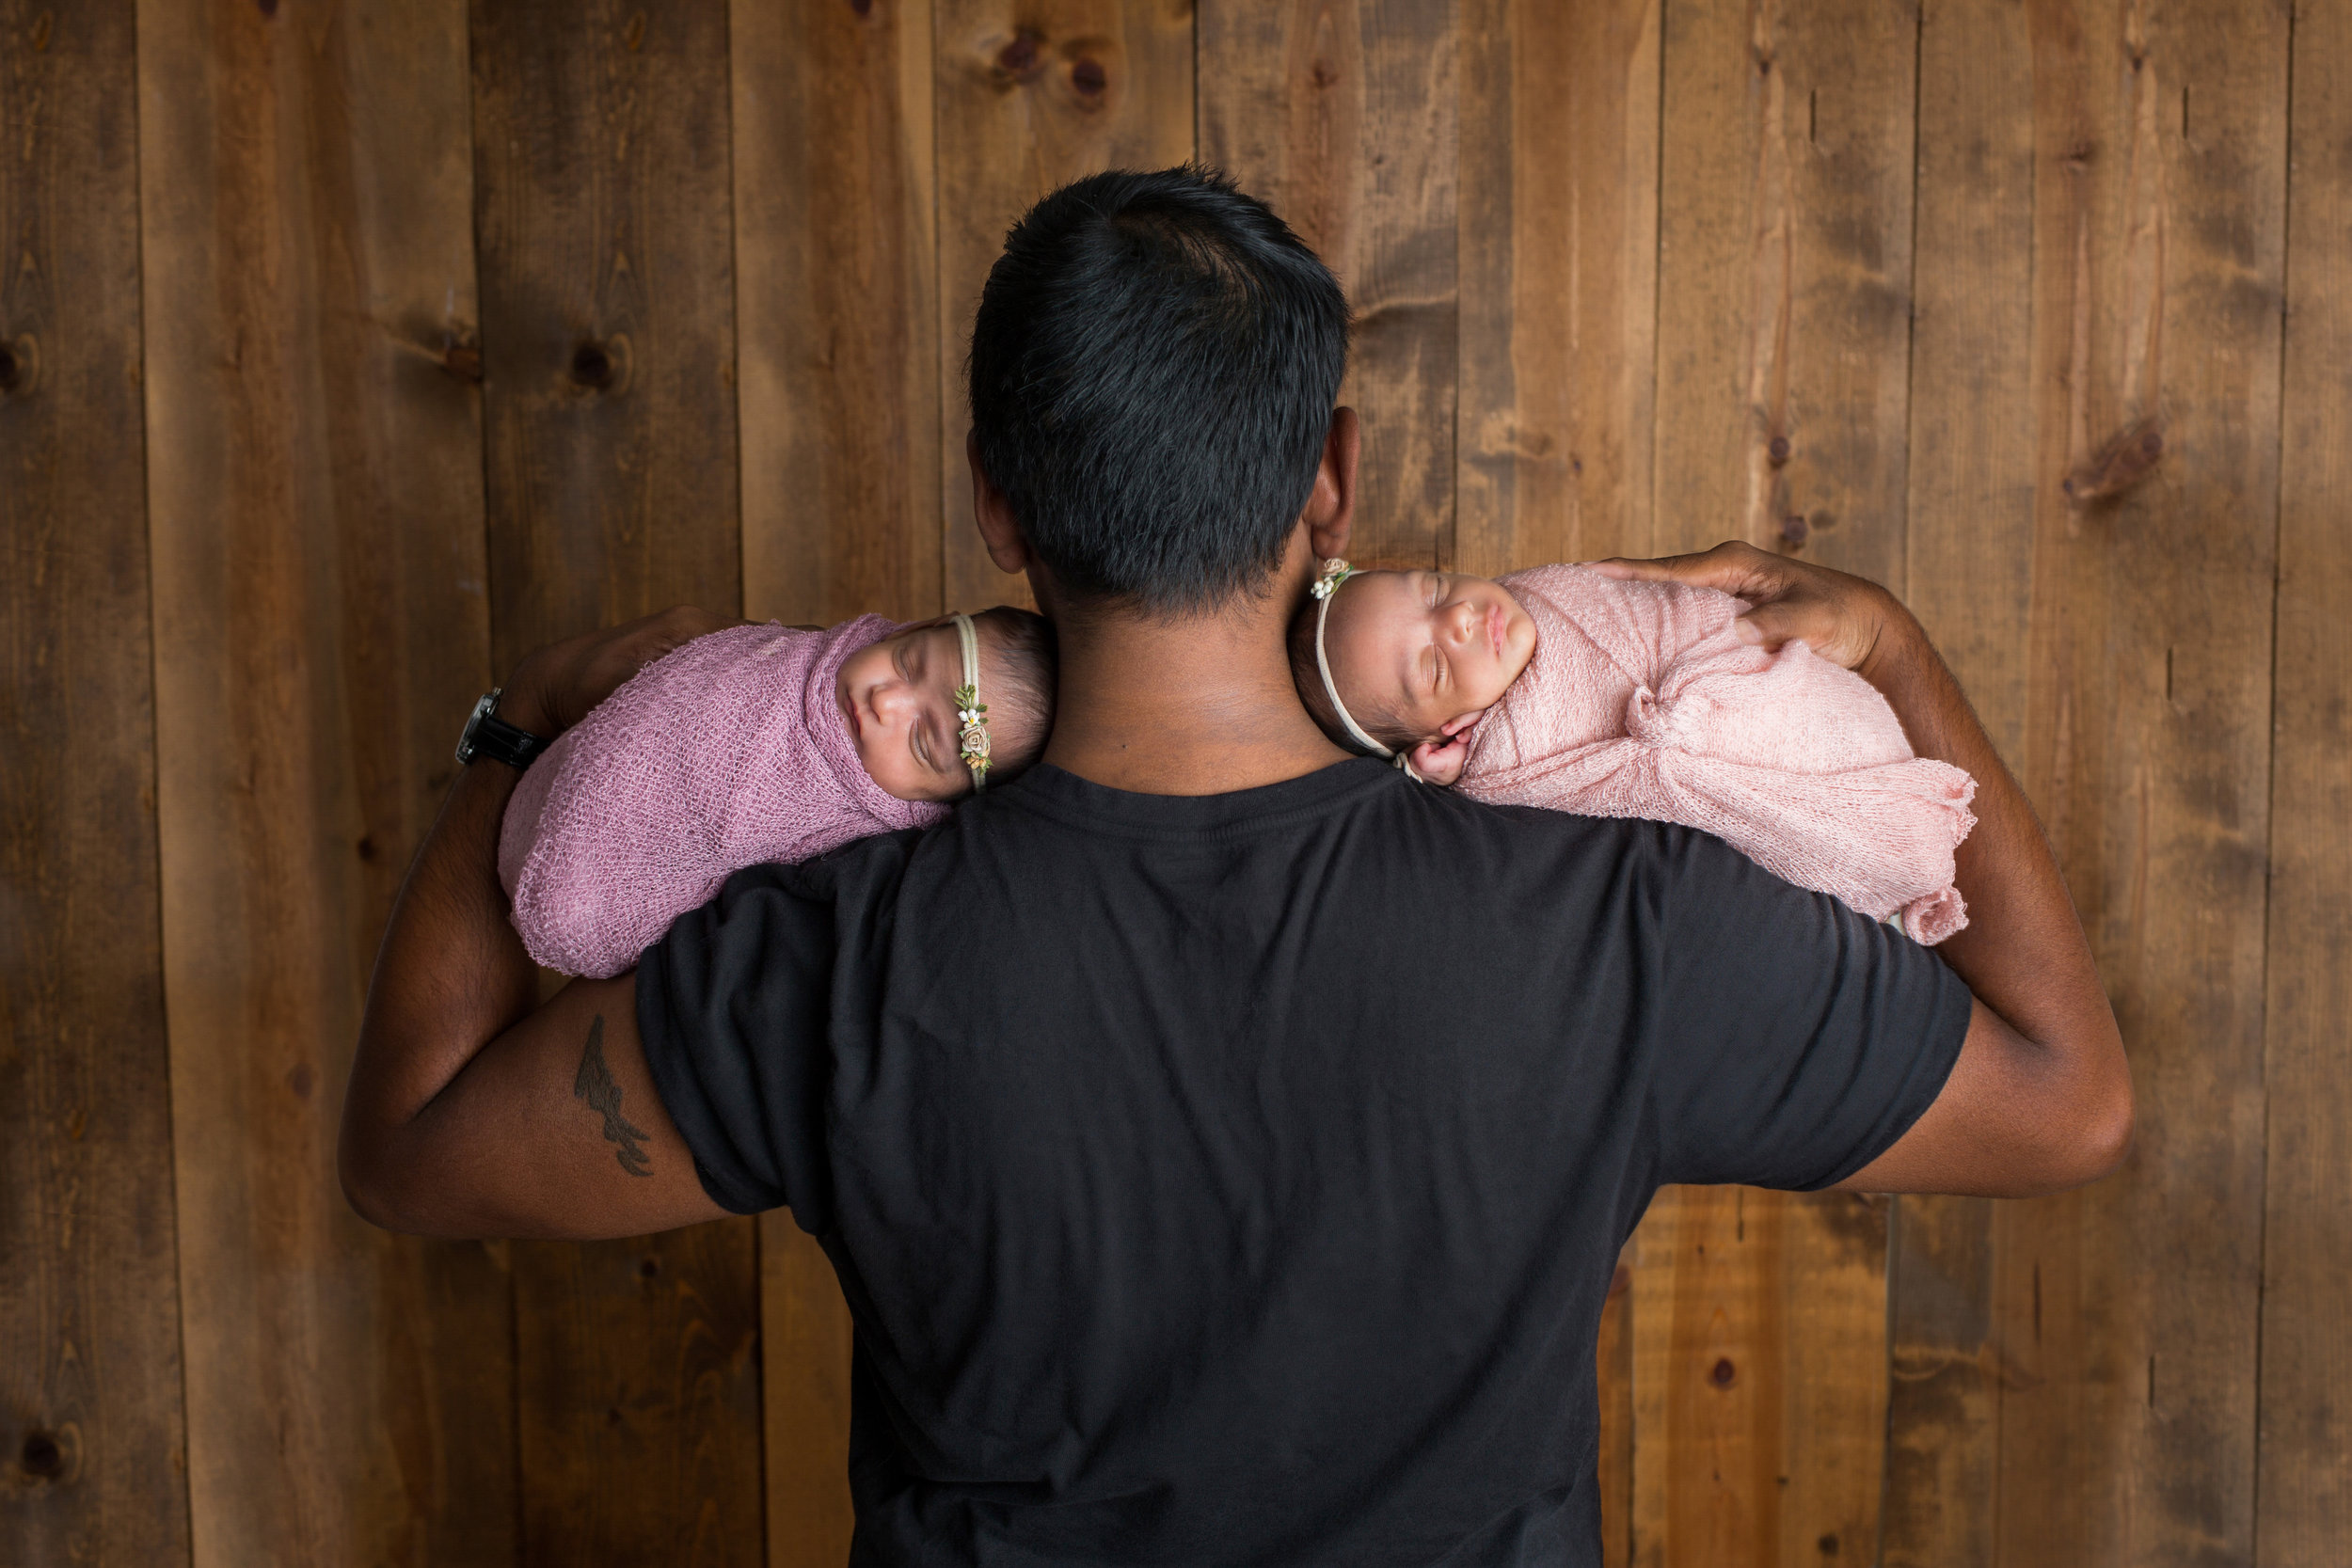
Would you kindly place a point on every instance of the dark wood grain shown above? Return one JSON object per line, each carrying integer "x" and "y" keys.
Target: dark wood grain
{"x": 640, "y": 1399}
{"x": 1558, "y": 218}
{"x": 602, "y": 138}
{"x": 1030, "y": 95}
{"x": 602, "y": 201}
{"x": 2304, "y": 1503}
{"x": 836, "y": 310}
{"x": 314, "y": 501}
{"x": 807, "y": 1332}
{"x": 1342, "y": 115}
{"x": 91, "y": 1420}
{"x": 2127, "y": 1313}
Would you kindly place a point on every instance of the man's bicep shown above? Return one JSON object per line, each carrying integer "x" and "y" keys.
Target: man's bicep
{"x": 1991, "y": 1132}
{"x": 554, "y": 1130}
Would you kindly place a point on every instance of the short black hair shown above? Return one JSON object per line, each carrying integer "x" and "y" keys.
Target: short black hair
{"x": 1152, "y": 375}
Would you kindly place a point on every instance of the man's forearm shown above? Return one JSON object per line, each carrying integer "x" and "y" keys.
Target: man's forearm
{"x": 2023, "y": 952}
{"x": 452, "y": 975}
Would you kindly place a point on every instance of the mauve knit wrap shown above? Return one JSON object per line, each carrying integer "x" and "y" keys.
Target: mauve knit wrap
{"x": 729, "y": 752}
{"x": 1642, "y": 702}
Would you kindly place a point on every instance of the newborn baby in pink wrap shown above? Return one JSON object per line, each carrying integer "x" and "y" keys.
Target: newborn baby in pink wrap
{"x": 755, "y": 744}
{"x": 1559, "y": 686}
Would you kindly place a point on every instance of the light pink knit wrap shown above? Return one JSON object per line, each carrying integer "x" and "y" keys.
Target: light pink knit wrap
{"x": 1640, "y": 702}
{"x": 729, "y": 752}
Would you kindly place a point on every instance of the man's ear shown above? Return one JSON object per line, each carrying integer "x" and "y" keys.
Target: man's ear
{"x": 1000, "y": 531}
{"x": 1330, "y": 511}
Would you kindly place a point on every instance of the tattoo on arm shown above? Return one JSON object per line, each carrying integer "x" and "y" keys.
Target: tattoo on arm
{"x": 596, "y": 1087}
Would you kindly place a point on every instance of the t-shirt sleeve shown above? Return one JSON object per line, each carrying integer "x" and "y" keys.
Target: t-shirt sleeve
{"x": 1796, "y": 1039}
{"x": 733, "y": 1007}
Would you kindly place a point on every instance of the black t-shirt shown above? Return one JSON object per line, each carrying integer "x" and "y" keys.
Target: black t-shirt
{"x": 1237, "y": 1180}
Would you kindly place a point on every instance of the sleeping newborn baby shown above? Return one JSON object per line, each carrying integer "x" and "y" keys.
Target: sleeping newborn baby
{"x": 1558, "y": 687}
{"x": 756, "y": 744}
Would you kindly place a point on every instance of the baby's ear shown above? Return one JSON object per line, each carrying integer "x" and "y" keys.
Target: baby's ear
{"x": 1439, "y": 761}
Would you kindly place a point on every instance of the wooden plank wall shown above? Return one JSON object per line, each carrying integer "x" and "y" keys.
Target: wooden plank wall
{"x": 348, "y": 348}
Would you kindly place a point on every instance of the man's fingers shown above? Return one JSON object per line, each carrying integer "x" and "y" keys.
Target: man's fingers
{"x": 1734, "y": 567}
{"x": 1767, "y": 627}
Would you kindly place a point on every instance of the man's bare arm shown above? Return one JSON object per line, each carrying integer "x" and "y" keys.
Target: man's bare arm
{"x": 2040, "y": 1098}
{"x": 472, "y": 1111}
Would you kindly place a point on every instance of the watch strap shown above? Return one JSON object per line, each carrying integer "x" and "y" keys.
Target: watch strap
{"x": 488, "y": 736}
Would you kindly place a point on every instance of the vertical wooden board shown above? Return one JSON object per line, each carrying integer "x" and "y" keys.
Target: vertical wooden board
{"x": 1614, "y": 1358}
{"x": 91, "y": 1422}
{"x": 1030, "y": 95}
{"x": 602, "y": 203}
{"x": 314, "y": 508}
{"x": 1783, "y": 300}
{"x": 1558, "y": 217}
{"x": 836, "y": 308}
{"x": 2127, "y": 1313}
{"x": 604, "y": 194}
{"x": 806, "y": 1333}
{"x": 2304, "y": 1506}
{"x": 1342, "y": 115}
{"x": 639, "y": 1395}
{"x": 1709, "y": 1379}
{"x": 1784, "y": 277}
{"x": 1969, "y": 559}
{"x": 1758, "y": 1354}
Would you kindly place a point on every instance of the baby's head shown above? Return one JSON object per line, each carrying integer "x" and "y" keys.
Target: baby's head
{"x": 1416, "y": 658}
{"x": 898, "y": 698}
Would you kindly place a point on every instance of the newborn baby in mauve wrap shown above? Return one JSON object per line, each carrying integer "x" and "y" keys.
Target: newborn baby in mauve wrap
{"x": 1559, "y": 686}
{"x": 756, "y": 744}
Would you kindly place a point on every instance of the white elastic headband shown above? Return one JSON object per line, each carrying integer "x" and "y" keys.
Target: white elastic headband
{"x": 971, "y": 713}
{"x": 1327, "y": 588}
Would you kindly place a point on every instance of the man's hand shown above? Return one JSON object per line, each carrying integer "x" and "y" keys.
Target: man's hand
{"x": 554, "y": 686}
{"x": 1843, "y": 618}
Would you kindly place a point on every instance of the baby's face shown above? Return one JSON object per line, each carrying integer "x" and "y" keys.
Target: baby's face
{"x": 1430, "y": 650}
{"x": 897, "y": 697}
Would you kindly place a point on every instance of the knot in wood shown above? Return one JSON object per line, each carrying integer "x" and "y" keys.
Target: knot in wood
{"x": 1794, "y": 530}
{"x": 42, "y": 1455}
{"x": 1723, "y": 1372}
{"x": 10, "y": 370}
{"x": 1021, "y": 58}
{"x": 1777, "y": 450}
{"x": 1828, "y": 1545}
{"x": 1089, "y": 77}
{"x": 460, "y": 357}
{"x": 862, "y": 8}
{"x": 591, "y": 366}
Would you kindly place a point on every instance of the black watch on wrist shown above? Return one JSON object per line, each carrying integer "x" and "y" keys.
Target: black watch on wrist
{"x": 488, "y": 736}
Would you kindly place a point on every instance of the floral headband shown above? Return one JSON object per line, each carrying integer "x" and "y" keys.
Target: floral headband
{"x": 1335, "y": 572}
{"x": 971, "y": 713}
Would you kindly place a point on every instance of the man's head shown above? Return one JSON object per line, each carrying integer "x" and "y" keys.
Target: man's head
{"x": 1152, "y": 375}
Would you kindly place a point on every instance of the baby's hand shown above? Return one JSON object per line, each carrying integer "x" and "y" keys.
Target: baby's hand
{"x": 1439, "y": 762}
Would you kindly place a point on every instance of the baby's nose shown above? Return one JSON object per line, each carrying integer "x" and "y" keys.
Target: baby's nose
{"x": 1461, "y": 622}
{"x": 896, "y": 700}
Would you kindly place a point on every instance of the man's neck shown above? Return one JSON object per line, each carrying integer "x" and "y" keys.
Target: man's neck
{"x": 1196, "y": 707}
